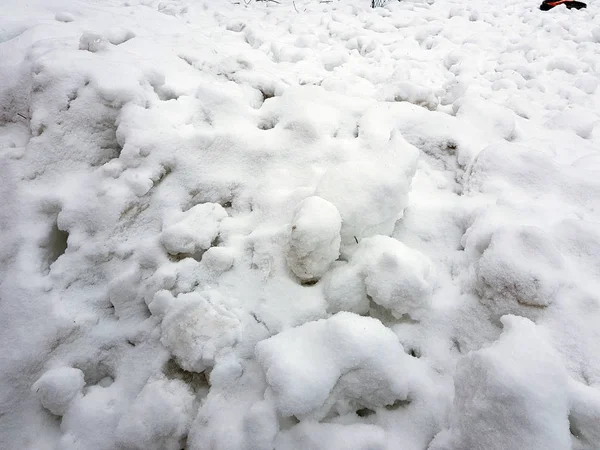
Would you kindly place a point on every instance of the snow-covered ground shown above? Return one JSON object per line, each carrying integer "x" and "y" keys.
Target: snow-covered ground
{"x": 299, "y": 225}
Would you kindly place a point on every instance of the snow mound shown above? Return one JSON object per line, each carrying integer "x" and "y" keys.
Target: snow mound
{"x": 343, "y": 363}
{"x": 522, "y": 265}
{"x": 440, "y": 173}
{"x": 517, "y": 174}
{"x": 193, "y": 231}
{"x": 331, "y": 436}
{"x": 57, "y": 388}
{"x": 370, "y": 195}
{"x": 158, "y": 418}
{"x": 584, "y": 414}
{"x": 197, "y": 328}
{"x": 386, "y": 271}
{"x": 512, "y": 394}
{"x": 315, "y": 239}
{"x": 93, "y": 42}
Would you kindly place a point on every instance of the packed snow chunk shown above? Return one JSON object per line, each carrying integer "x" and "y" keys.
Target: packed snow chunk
{"x": 192, "y": 232}
{"x": 396, "y": 277}
{"x": 64, "y": 16}
{"x": 370, "y": 195}
{"x": 198, "y": 328}
{"x": 118, "y": 35}
{"x": 344, "y": 289}
{"x": 339, "y": 364}
{"x": 315, "y": 238}
{"x": 331, "y": 436}
{"x": 123, "y": 293}
{"x": 584, "y": 416}
{"x": 58, "y": 387}
{"x": 388, "y": 272}
{"x": 511, "y": 395}
{"x": 159, "y": 418}
{"x": 334, "y": 58}
{"x": 521, "y": 265}
{"x": 93, "y": 42}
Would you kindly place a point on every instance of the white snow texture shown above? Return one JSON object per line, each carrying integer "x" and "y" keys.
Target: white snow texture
{"x": 299, "y": 225}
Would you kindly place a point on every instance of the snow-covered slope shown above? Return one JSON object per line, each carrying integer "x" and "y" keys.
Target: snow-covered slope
{"x": 299, "y": 225}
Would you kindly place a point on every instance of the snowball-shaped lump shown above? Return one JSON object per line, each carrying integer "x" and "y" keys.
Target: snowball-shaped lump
{"x": 58, "y": 387}
{"x": 521, "y": 265}
{"x": 198, "y": 329}
{"x": 396, "y": 277}
{"x": 93, "y": 42}
{"x": 315, "y": 238}
{"x": 159, "y": 418}
{"x": 194, "y": 230}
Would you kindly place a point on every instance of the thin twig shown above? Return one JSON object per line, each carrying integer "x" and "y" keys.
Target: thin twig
{"x": 294, "y": 3}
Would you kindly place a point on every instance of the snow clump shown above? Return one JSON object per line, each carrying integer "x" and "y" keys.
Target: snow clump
{"x": 521, "y": 265}
{"x": 386, "y": 271}
{"x": 315, "y": 238}
{"x": 193, "y": 231}
{"x": 343, "y": 363}
{"x": 159, "y": 417}
{"x": 57, "y": 388}
{"x": 197, "y": 328}
{"x": 370, "y": 195}
{"x": 512, "y": 394}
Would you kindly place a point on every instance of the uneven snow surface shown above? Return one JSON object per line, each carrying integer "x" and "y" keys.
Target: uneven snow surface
{"x": 299, "y": 225}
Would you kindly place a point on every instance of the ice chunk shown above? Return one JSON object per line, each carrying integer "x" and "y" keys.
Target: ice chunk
{"x": 315, "y": 238}
{"x": 342, "y": 363}
{"x": 58, "y": 387}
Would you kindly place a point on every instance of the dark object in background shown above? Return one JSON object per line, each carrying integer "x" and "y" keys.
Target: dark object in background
{"x": 378, "y": 3}
{"x": 549, "y": 4}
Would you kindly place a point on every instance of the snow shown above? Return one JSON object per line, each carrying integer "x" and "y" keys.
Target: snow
{"x": 299, "y": 225}
{"x": 197, "y": 328}
{"x": 314, "y": 238}
{"x": 158, "y": 418}
{"x": 346, "y": 362}
{"x": 58, "y": 387}
{"x": 512, "y": 394}
{"x": 386, "y": 272}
